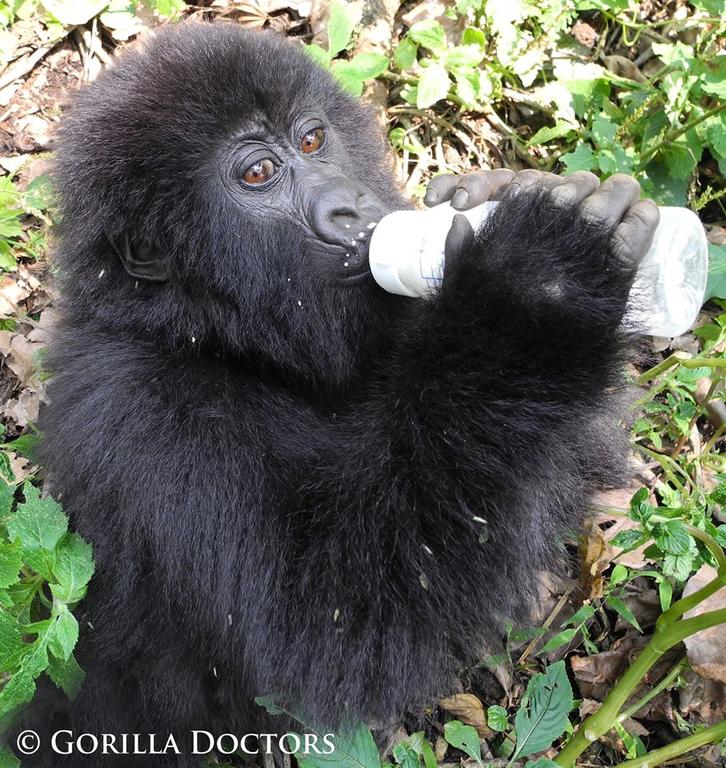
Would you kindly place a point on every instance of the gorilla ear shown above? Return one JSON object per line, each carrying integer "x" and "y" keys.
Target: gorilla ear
{"x": 141, "y": 260}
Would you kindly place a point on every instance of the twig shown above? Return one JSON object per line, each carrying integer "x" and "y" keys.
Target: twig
{"x": 24, "y": 65}
{"x": 710, "y": 735}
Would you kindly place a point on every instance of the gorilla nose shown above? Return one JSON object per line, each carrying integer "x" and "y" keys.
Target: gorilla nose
{"x": 344, "y": 214}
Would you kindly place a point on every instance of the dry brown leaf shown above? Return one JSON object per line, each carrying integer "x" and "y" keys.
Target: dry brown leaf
{"x": 645, "y": 605}
{"x": 595, "y": 558}
{"x": 21, "y": 467}
{"x": 440, "y": 748}
{"x": 584, "y": 34}
{"x": 706, "y": 699}
{"x": 11, "y": 294}
{"x": 23, "y": 358}
{"x": 595, "y": 674}
{"x": 467, "y": 708}
{"x": 717, "y": 235}
{"x": 23, "y": 409}
{"x": 706, "y": 650}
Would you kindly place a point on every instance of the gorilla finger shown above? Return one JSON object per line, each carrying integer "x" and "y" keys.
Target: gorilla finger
{"x": 574, "y": 189}
{"x": 459, "y": 238}
{"x": 480, "y": 186}
{"x": 608, "y": 204}
{"x": 634, "y": 235}
{"x": 531, "y": 179}
{"x": 440, "y": 189}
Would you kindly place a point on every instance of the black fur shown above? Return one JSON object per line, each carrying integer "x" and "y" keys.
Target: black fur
{"x": 282, "y": 498}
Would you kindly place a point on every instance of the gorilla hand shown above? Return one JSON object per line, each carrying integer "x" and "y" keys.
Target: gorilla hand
{"x": 561, "y": 249}
{"x": 615, "y": 202}
{"x": 613, "y": 206}
{"x": 468, "y": 190}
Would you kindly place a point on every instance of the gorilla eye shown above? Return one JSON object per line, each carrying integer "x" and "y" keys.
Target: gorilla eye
{"x": 260, "y": 172}
{"x": 312, "y": 141}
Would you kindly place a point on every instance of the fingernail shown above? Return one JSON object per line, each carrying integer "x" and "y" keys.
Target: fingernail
{"x": 431, "y": 196}
{"x": 461, "y": 196}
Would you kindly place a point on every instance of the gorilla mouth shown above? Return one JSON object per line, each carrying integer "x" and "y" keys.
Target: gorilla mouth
{"x": 357, "y": 275}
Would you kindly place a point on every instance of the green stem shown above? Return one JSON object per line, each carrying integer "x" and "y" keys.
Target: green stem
{"x": 669, "y": 466}
{"x": 666, "y": 635}
{"x": 654, "y": 691}
{"x": 682, "y": 358}
{"x": 710, "y": 735}
{"x": 670, "y": 137}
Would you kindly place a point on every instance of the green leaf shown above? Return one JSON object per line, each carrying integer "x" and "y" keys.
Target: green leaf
{"x": 7, "y": 496}
{"x": 581, "y": 615}
{"x": 560, "y": 639}
{"x": 39, "y": 193}
{"x": 268, "y": 704}
{"x": 497, "y": 718}
{"x": 622, "y": 610}
{"x": 665, "y": 594}
{"x": 368, "y": 65}
{"x": 342, "y": 22}
{"x": 405, "y": 755}
{"x": 542, "y": 762}
{"x": 603, "y": 131}
{"x": 464, "y": 56}
{"x": 67, "y": 675}
{"x": 433, "y": 86}
{"x": 7, "y": 257}
{"x": 429, "y": 34}
{"x": 12, "y": 646}
{"x": 354, "y": 750}
{"x": 582, "y": 159}
{"x": 620, "y": 573}
{"x": 347, "y": 77}
{"x": 679, "y": 567}
{"x": 550, "y": 132}
{"x": 422, "y": 748}
{"x": 640, "y": 509}
{"x": 714, "y": 81}
{"x": 73, "y": 569}
{"x": 716, "y": 285}
{"x": 405, "y": 54}
{"x": 616, "y": 159}
{"x": 629, "y": 539}
{"x": 542, "y": 716}
{"x": 672, "y": 537}
{"x": 678, "y": 55}
{"x": 463, "y": 737}
{"x": 76, "y": 13}
{"x": 37, "y": 523}
{"x": 11, "y": 561}
{"x": 318, "y": 55}
{"x": 20, "y": 689}
{"x": 8, "y": 759}
{"x": 63, "y": 634}
{"x": 712, "y": 7}
{"x": 474, "y": 36}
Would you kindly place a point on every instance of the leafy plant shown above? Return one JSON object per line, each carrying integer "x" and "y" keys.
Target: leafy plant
{"x": 351, "y": 73}
{"x": 15, "y": 207}
{"x": 44, "y": 572}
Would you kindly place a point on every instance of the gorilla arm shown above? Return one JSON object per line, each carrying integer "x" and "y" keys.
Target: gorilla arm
{"x": 420, "y": 534}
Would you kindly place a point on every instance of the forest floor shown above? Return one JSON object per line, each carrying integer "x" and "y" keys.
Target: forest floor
{"x": 47, "y": 50}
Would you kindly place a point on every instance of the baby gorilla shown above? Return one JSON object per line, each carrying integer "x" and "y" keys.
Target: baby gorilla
{"x": 295, "y": 483}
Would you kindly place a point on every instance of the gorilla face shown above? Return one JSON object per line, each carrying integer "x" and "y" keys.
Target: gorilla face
{"x": 220, "y": 194}
{"x": 301, "y": 176}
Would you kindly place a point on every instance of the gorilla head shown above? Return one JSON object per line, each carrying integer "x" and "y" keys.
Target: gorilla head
{"x": 225, "y": 200}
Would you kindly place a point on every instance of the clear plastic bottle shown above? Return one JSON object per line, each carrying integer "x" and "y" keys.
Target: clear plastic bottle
{"x": 407, "y": 257}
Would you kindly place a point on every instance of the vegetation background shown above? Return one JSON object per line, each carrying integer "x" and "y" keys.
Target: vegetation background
{"x": 560, "y": 85}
